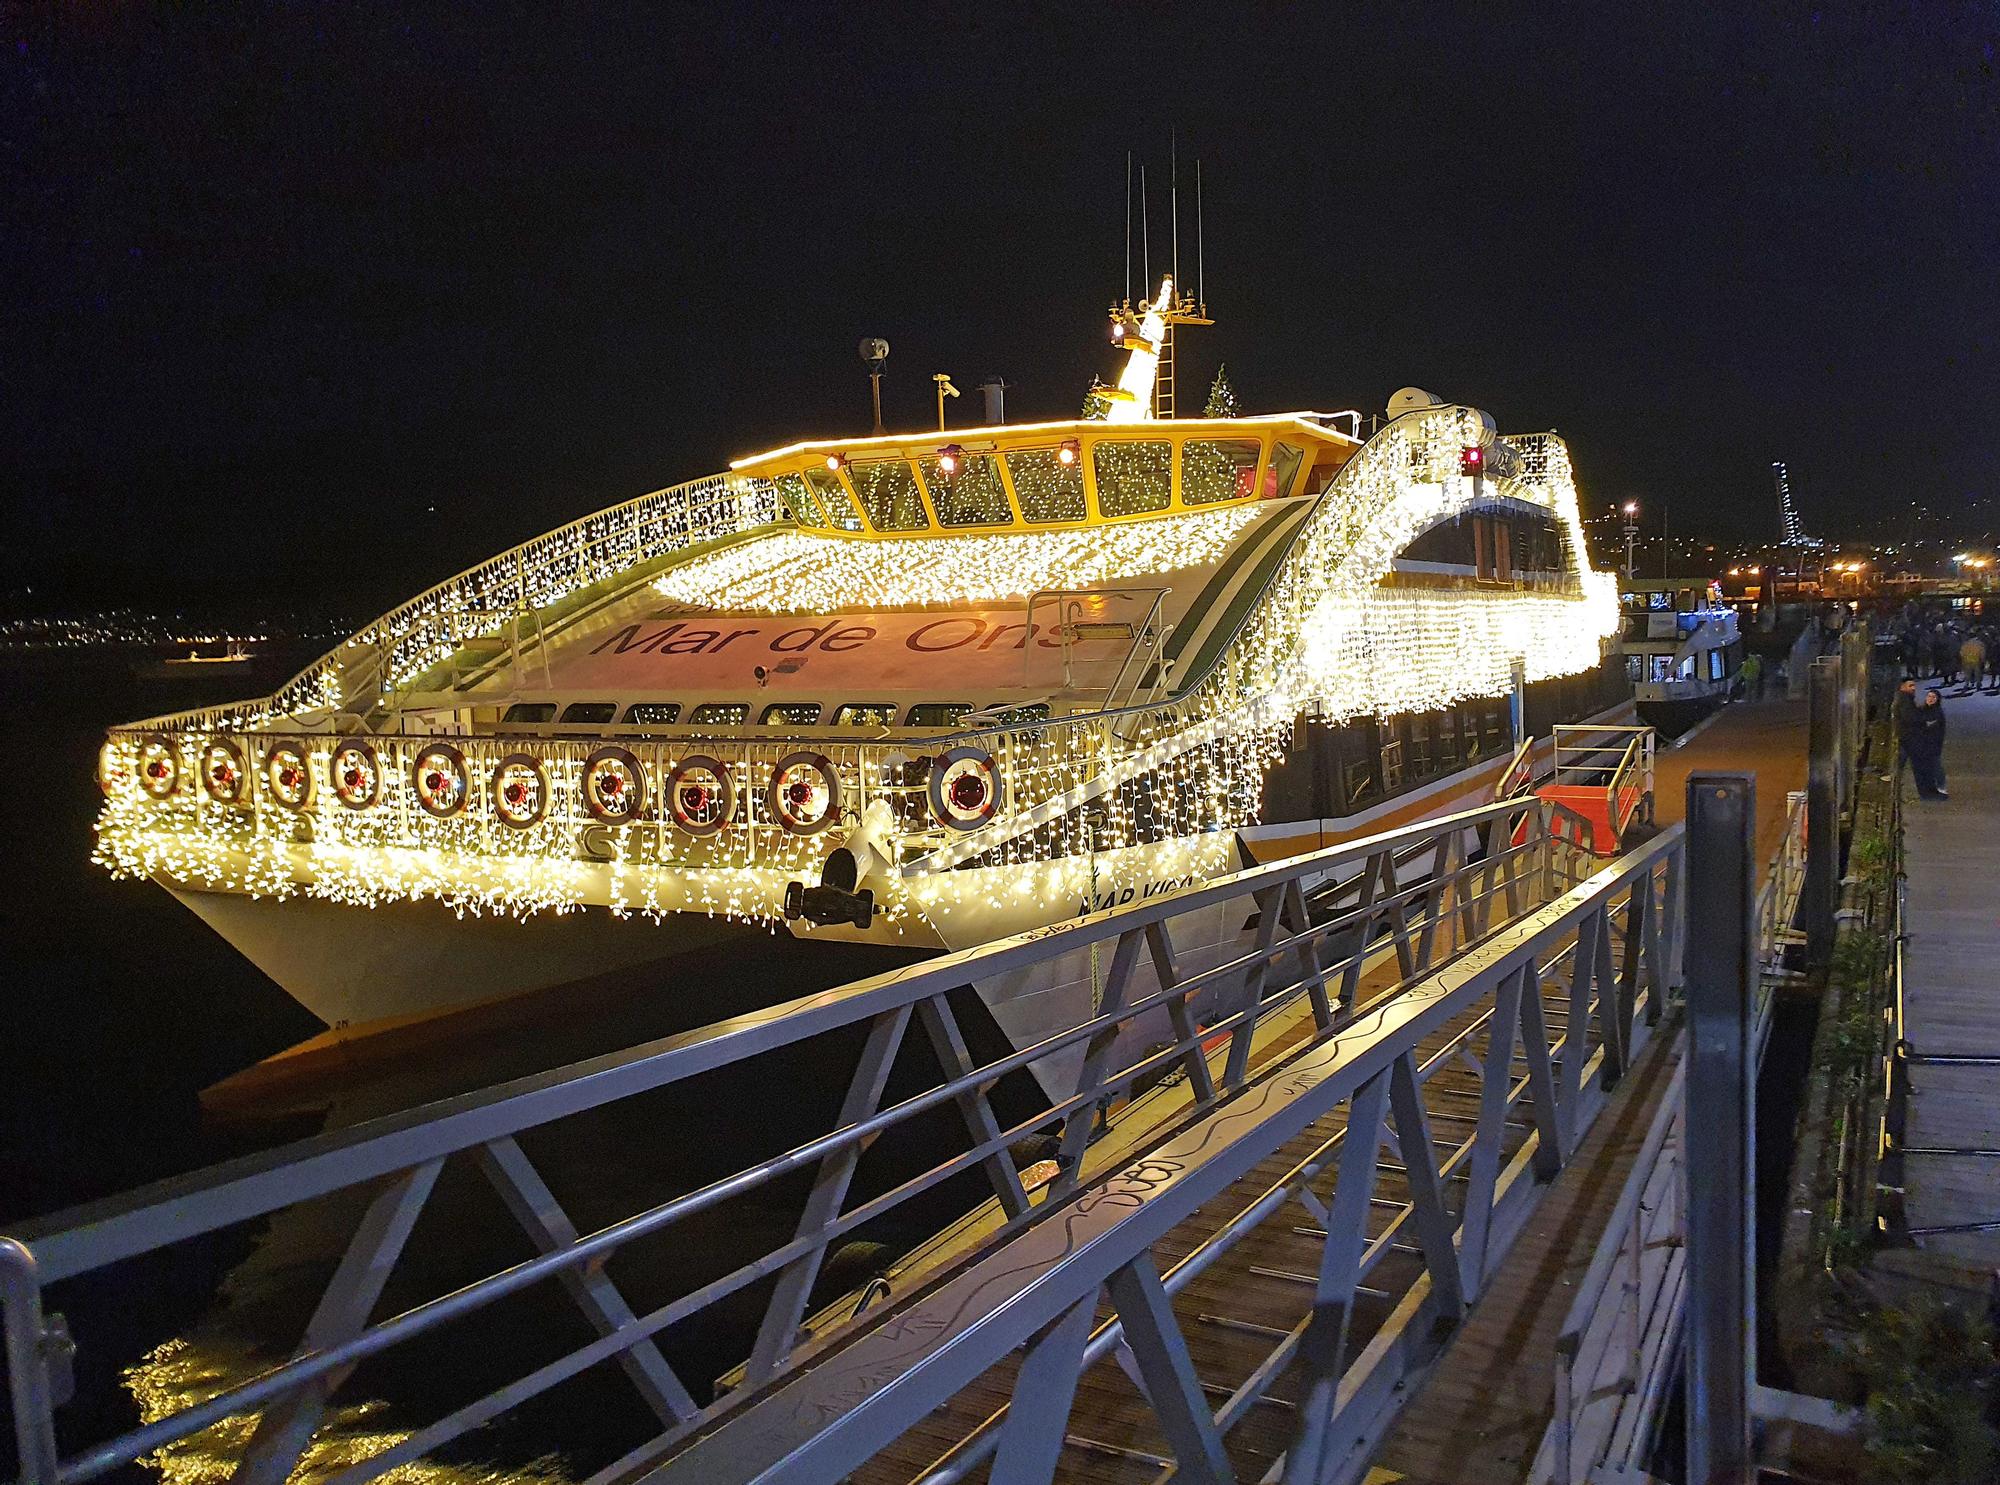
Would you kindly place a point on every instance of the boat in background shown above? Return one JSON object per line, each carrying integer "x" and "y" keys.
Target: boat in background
{"x": 1682, "y": 649}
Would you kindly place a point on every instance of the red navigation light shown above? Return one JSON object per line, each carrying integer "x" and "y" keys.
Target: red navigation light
{"x": 1070, "y": 451}
{"x": 1472, "y": 460}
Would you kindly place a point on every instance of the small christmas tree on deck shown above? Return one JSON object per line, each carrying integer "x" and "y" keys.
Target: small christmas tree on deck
{"x": 1221, "y": 396}
{"x": 1096, "y": 406}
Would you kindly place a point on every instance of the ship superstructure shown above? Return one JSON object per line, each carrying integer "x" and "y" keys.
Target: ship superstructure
{"x": 922, "y": 688}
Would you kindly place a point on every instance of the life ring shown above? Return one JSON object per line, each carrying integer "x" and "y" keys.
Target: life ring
{"x": 288, "y": 775}
{"x": 520, "y": 791}
{"x": 223, "y": 774}
{"x": 613, "y": 786}
{"x": 804, "y": 796}
{"x": 355, "y": 774}
{"x": 700, "y": 795}
{"x": 964, "y": 788}
{"x": 440, "y": 780}
{"x": 159, "y": 765}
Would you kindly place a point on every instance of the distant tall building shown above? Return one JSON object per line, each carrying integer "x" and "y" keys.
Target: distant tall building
{"x": 1789, "y": 530}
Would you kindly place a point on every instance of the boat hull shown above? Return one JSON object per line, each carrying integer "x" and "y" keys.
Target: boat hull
{"x": 405, "y": 959}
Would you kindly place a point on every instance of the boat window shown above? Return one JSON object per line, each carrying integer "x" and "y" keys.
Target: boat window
{"x": 1018, "y": 716}
{"x": 590, "y": 712}
{"x": 1132, "y": 477}
{"x": 1284, "y": 471}
{"x": 888, "y": 493}
{"x": 973, "y": 496}
{"x": 865, "y": 714}
{"x": 653, "y": 713}
{"x": 799, "y": 499}
{"x": 938, "y": 713}
{"x": 530, "y": 711}
{"x": 825, "y": 484}
{"x": 1215, "y": 469}
{"x": 720, "y": 714}
{"x": 1048, "y": 489}
{"x": 790, "y": 714}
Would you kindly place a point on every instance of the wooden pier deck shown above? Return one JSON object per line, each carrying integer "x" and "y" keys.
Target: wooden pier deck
{"x": 1951, "y": 993}
{"x": 1479, "y": 1417}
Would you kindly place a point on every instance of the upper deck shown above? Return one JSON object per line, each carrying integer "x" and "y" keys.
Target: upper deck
{"x": 1043, "y": 476}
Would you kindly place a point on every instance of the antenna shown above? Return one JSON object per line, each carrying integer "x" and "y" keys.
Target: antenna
{"x": 1128, "y": 226}
{"x": 1145, "y": 229}
{"x": 1200, "y": 268}
{"x": 1174, "y": 194}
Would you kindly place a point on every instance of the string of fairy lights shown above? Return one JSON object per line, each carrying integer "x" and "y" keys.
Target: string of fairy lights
{"x": 1088, "y": 804}
{"x": 796, "y": 572}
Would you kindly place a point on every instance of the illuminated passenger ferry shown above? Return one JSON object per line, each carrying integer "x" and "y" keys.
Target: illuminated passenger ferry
{"x": 923, "y": 689}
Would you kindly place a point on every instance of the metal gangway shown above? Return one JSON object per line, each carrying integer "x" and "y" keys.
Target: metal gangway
{"x": 1232, "y": 1279}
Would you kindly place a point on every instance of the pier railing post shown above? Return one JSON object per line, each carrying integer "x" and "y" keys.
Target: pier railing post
{"x": 1822, "y": 883}
{"x": 1721, "y": 1217}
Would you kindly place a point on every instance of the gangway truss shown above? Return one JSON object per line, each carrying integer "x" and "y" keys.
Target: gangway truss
{"x": 1230, "y": 1279}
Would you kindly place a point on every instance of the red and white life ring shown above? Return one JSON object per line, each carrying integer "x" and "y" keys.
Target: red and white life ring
{"x": 159, "y": 765}
{"x": 700, "y": 795}
{"x": 288, "y": 775}
{"x": 356, "y": 774}
{"x": 804, "y": 796}
{"x": 223, "y": 773}
{"x": 440, "y": 780}
{"x": 964, "y": 788}
{"x": 520, "y": 791}
{"x": 614, "y": 786}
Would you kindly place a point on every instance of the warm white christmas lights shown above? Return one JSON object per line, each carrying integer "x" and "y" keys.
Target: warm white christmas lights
{"x": 1091, "y": 805}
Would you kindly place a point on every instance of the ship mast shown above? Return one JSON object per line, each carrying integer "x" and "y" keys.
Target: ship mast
{"x": 1145, "y": 389}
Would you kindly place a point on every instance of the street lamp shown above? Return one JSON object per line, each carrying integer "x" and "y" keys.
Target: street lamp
{"x": 1631, "y": 532}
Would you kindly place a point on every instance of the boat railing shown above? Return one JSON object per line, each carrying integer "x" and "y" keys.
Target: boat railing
{"x": 1615, "y": 1354}
{"x": 400, "y": 645}
{"x": 1328, "y": 974}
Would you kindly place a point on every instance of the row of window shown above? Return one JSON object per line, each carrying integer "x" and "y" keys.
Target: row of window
{"x": 1132, "y": 477}
{"x": 777, "y": 714}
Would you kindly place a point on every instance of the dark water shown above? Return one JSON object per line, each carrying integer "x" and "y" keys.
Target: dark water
{"x": 122, "y": 1007}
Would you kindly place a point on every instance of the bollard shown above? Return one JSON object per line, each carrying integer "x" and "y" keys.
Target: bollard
{"x": 1721, "y": 1102}
{"x": 1820, "y": 896}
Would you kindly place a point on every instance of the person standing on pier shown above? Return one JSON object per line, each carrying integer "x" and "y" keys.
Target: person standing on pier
{"x": 1972, "y": 661}
{"x": 1923, "y": 743}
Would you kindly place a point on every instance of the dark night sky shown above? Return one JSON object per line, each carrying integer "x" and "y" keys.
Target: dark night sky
{"x": 277, "y": 282}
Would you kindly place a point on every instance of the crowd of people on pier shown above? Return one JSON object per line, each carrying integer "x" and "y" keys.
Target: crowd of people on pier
{"x": 1955, "y": 650}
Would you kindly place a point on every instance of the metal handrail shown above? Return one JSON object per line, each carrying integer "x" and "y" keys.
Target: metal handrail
{"x": 875, "y": 1380}
{"x": 1453, "y": 907}
{"x": 1580, "y": 1346}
